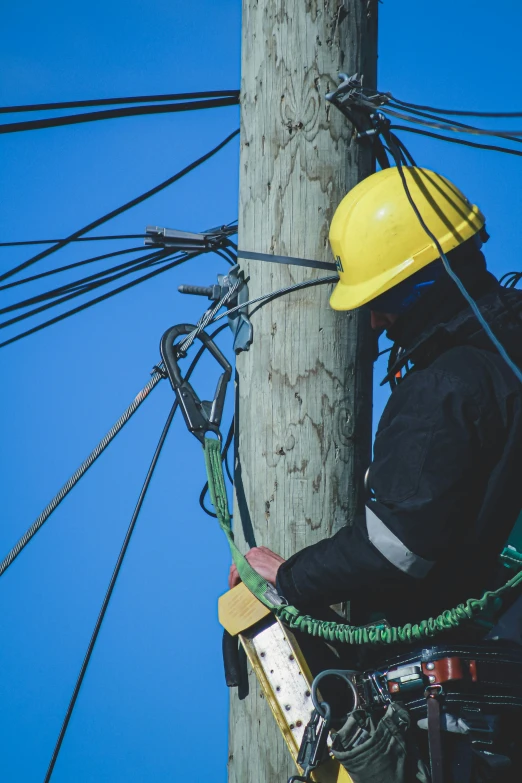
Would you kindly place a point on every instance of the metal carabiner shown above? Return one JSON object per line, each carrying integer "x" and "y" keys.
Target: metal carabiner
{"x": 201, "y": 416}
{"x": 313, "y": 750}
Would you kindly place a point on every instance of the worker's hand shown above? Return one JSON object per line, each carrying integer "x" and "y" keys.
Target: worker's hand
{"x": 262, "y": 560}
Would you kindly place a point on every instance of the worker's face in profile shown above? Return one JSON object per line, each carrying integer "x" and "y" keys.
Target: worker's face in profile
{"x": 382, "y": 321}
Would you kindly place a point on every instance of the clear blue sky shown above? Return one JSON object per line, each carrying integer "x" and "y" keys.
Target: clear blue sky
{"x": 154, "y": 704}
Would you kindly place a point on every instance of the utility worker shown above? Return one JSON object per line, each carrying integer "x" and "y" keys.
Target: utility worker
{"x": 445, "y": 484}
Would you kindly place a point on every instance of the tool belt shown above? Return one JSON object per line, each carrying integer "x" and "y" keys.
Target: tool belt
{"x": 471, "y": 689}
{"x": 483, "y": 678}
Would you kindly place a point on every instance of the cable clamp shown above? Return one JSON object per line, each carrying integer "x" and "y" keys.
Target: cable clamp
{"x": 238, "y": 321}
{"x": 160, "y": 370}
{"x": 349, "y": 95}
{"x": 187, "y": 241}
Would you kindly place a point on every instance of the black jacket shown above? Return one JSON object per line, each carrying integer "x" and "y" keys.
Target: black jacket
{"x": 446, "y": 478}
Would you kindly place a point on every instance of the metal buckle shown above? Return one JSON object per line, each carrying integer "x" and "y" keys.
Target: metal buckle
{"x": 201, "y": 416}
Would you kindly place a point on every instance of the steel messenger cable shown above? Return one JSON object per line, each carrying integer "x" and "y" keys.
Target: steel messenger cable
{"x": 157, "y": 375}
{"x": 108, "y": 596}
{"x": 117, "y": 568}
{"x": 124, "y": 418}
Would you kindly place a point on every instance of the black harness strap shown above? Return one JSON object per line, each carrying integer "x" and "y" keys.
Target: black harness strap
{"x": 435, "y": 735}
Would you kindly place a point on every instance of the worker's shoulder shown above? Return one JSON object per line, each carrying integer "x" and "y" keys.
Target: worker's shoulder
{"x": 461, "y": 375}
{"x": 458, "y": 368}
{"x": 463, "y": 363}
{"x": 478, "y": 371}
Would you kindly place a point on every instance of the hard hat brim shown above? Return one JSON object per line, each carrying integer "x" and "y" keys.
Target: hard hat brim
{"x": 349, "y": 297}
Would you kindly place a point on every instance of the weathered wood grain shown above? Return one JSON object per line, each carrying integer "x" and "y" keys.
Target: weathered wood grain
{"x": 304, "y": 388}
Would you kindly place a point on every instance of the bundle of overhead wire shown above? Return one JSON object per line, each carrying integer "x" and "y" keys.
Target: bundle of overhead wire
{"x": 151, "y": 263}
{"x": 437, "y": 123}
{"x": 137, "y": 105}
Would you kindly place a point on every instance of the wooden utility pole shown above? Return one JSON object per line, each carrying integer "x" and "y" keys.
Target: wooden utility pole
{"x": 304, "y": 387}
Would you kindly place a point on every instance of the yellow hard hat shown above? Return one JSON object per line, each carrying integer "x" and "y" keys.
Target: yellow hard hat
{"x": 377, "y": 239}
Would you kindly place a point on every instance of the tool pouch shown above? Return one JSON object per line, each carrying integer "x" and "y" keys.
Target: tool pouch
{"x": 388, "y": 753}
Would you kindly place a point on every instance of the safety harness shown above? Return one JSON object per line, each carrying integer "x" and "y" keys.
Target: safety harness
{"x": 478, "y": 685}
{"x": 490, "y": 602}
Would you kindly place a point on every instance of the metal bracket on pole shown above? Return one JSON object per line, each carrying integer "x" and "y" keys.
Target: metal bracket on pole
{"x": 362, "y": 111}
{"x": 349, "y": 95}
{"x": 239, "y": 321}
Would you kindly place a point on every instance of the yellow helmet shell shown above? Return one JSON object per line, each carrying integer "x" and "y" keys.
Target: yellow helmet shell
{"x": 377, "y": 239}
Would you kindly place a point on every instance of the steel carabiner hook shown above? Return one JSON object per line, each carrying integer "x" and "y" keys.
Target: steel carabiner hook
{"x": 201, "y": 416}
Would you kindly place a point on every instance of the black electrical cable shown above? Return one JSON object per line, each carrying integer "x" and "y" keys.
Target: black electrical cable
{"x": 78, "y": 239}
{"x": 98, "y": 299}
{"x": 91, "y": 282}
{"x": 222, "y": 254}
{"x": 459, "y": 113}
{"x": 111, "y": 114}
{"x": 108, "y": 594}
{"x": 233, "y": 245}
{"x": 453, "y": 275}
{"x": 510, "y": 279}
{"x": 269, "y": 298}
{"x": 115, "y": 212}
{"x": 454, "y": 127}
{"x": 66, "y": 268}
{"x": 445, "y": 121}
{"x": 139, "y": 264}
{"x": 85, "y": 284}
{"x": 118, "y": 565}
{"x": 404, "y": 150}
{"x": 466, "y": 143}
{"x": 277, "y": 294}
{"x": 231, "y": 250}
{"x": 182, "y": 96}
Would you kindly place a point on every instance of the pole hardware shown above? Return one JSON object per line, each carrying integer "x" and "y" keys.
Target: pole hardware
{"x": 362, "y": 111}
{"x": 314, "y": 748}
{"x": 380, "y": 124}
{"x": 238, "y": 321}
{"x": 201, "y": 416}
{"x": 350, "y": 95}
{"x": 157, "y": 236}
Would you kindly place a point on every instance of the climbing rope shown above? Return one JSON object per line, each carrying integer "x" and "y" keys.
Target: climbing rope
{"x": 84, "y": 467}
{"x": 120, "y": 559}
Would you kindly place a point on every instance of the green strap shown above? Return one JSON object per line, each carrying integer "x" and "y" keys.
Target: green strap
{"x": 262, "y": 589}
{"x": 491, "y": 601}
